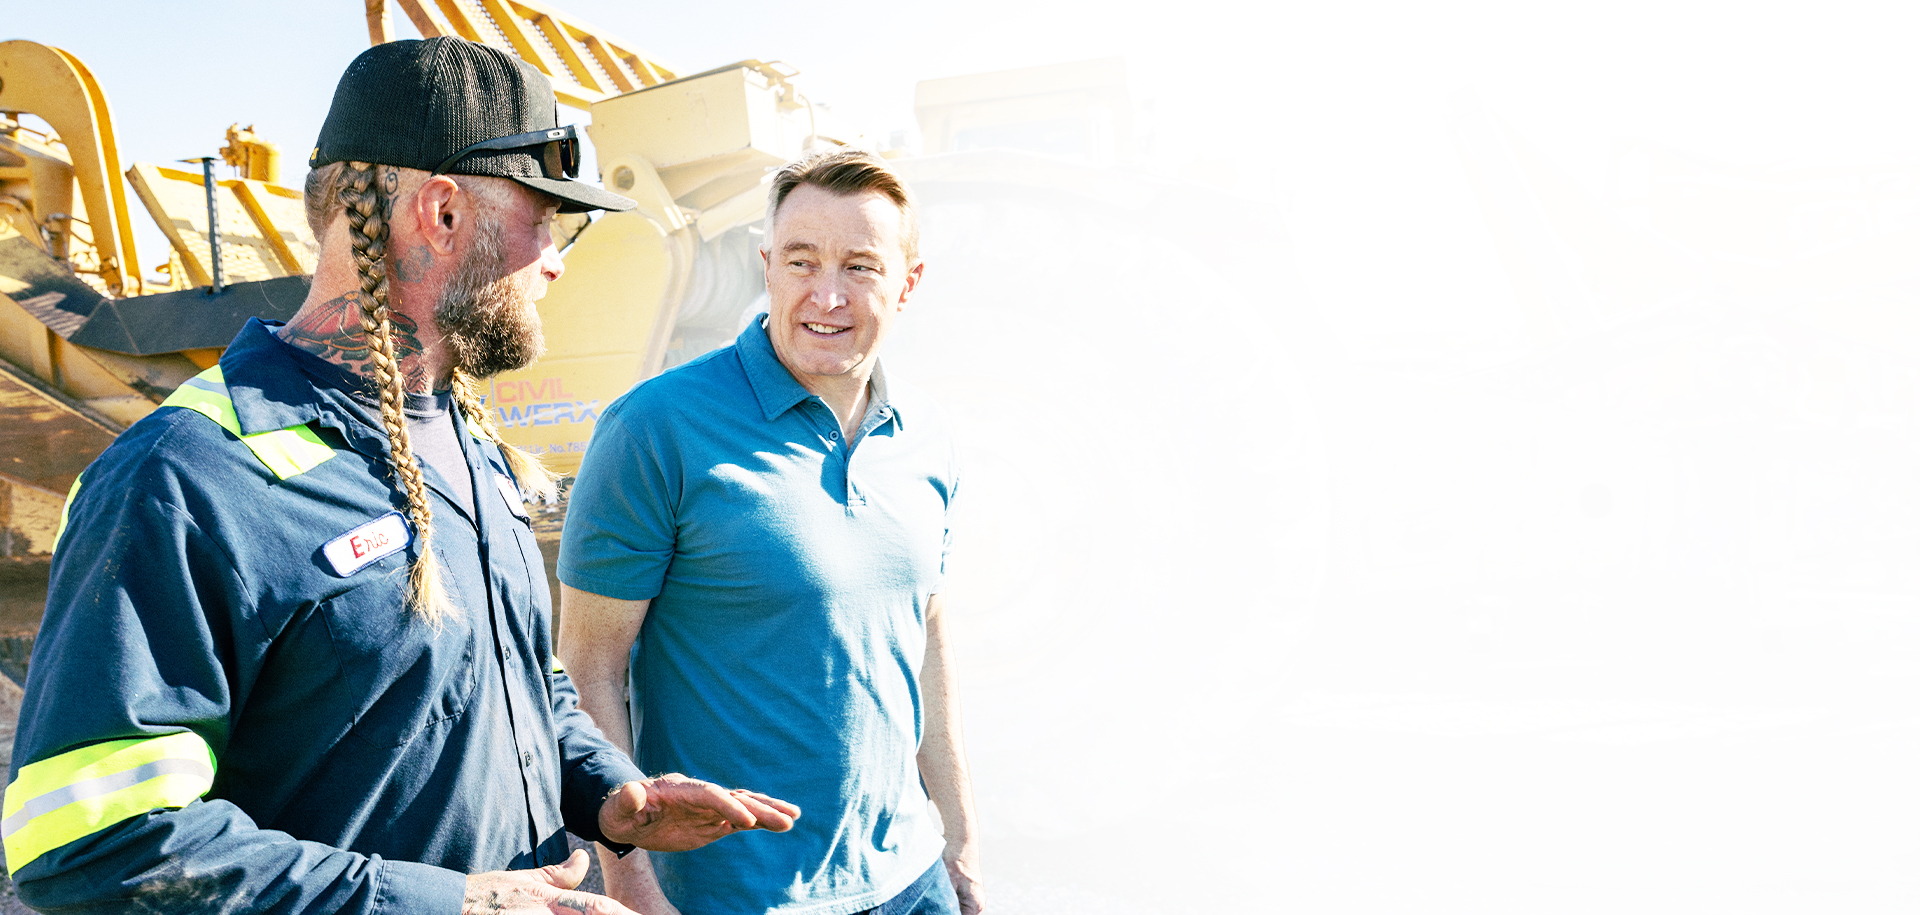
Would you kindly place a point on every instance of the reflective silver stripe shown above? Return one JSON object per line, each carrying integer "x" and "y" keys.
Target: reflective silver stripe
{"x": 95, "y": 787}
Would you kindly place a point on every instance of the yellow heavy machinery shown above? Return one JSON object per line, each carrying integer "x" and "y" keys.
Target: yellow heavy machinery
{"x": 1058, "y": 271}
{"x": 87, "y": 346}
{"x": 1091, "y": 330}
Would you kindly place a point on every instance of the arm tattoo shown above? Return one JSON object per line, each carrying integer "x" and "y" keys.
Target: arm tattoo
{"x": 332, "y": 331}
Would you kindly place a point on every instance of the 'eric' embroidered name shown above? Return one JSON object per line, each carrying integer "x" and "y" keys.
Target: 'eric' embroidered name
{"x": 369, "y": 543}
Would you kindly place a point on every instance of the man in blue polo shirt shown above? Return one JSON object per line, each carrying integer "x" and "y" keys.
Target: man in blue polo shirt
{"x": 770, "y": 521}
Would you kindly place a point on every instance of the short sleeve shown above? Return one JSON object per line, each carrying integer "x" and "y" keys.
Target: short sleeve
{"x": 620, "y": 530}
{"x": 946, "y": 536}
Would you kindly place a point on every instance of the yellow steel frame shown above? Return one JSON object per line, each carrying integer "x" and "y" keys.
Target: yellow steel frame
{"x": 585, "y": 63}
{"x": 275, "y": 227}
{"x": 56, "y": 86}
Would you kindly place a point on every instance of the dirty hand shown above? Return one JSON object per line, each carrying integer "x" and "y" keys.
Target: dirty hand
{"x": 541, "y": 891}
{"x": 677, "y": 813}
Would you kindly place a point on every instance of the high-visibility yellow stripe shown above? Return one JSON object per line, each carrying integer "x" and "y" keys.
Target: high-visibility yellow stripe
{"x": 287, "y": 452}
{"x": 65, "y": 507}
{"x": 80, "y": 792}
{"x": 216, "y": 406}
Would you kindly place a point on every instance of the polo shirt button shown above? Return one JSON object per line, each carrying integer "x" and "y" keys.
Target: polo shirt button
{"x": 834, "y": 435}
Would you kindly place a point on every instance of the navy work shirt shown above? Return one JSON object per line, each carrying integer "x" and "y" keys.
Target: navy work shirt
{"x": 305, "y": 741}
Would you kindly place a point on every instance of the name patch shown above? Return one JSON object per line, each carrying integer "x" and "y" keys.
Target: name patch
{"x": 369, "y": 543}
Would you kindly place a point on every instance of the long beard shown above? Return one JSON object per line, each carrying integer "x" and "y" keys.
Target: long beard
{"x": 485, "y": 314}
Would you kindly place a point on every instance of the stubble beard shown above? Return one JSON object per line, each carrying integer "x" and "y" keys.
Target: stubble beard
{"x": 485, "y": 315}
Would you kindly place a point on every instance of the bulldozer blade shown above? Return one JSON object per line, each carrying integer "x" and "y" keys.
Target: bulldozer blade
{"x": 189, "y": 319}
{"x": 45, "y": 286}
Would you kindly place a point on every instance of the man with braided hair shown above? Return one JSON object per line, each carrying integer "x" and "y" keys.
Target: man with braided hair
{"x": 296, "y": 655}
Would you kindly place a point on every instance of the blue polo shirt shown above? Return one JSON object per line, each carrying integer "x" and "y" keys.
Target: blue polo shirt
{"x": 789, "y": 574}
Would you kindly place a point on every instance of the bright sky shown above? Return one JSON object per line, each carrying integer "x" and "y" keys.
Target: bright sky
{"x": 1728, "y": 80}
{"x": 1338, "y": 112}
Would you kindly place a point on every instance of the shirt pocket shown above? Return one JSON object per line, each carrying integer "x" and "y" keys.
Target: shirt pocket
{"x": 408, "y": 679}
{"x": 510, "y": 494}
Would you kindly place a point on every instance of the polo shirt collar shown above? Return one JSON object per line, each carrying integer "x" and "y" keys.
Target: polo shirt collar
{"x": 772, "y": 384}
{"x": 777, "y": 390}
{"x": 880, "y": 403}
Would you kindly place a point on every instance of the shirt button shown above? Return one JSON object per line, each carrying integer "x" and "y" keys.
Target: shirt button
{"x": 526, "y": 758}
{"x": 834, "y": 435}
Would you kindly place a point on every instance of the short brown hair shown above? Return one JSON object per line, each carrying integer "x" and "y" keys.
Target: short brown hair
{"x": 844, "y": 170}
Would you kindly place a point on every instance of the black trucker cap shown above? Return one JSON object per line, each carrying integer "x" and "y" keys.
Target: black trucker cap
{"x": 457, "y": 107}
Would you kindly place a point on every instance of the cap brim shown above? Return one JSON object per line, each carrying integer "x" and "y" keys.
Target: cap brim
{"x": 577, "y": 196}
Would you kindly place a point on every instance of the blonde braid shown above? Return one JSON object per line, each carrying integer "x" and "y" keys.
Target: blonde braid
{"x": 533, "y": 477}
{"x": 368, "y": 209}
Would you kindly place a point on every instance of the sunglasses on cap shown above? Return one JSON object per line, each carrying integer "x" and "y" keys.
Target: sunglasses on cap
{"x": 559, "y": 151}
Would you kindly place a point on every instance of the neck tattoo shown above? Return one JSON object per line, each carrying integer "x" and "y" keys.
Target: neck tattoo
{"x": 331, "y": 330}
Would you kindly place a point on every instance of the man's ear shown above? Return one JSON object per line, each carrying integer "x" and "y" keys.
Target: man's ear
{"x": 913, "y": 280}
{"x": 440, "y": 211}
